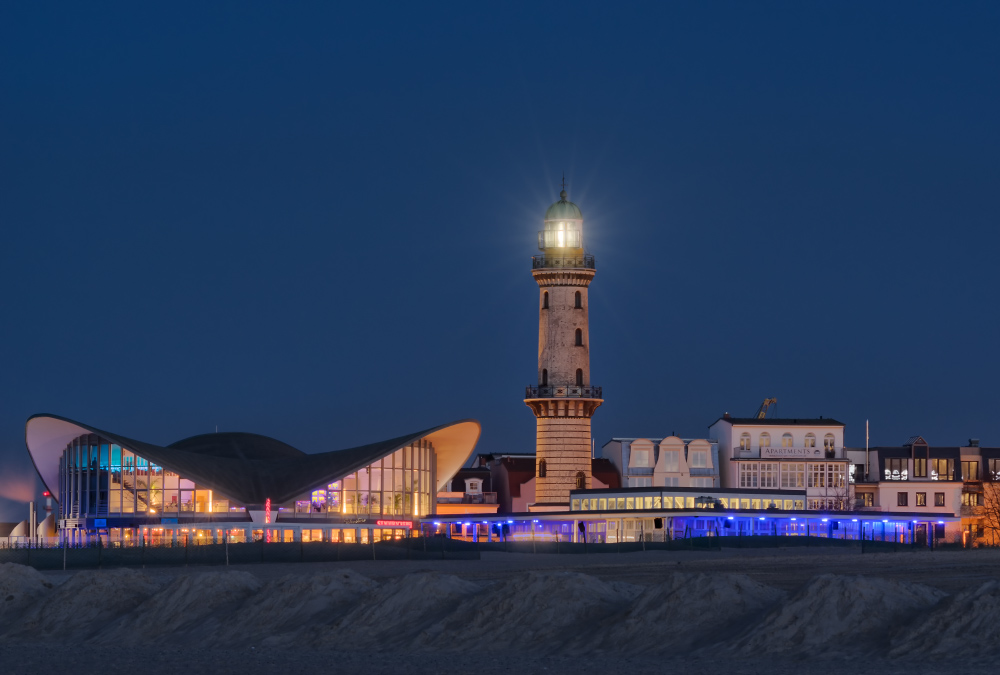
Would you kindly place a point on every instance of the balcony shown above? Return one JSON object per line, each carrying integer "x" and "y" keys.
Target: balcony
{"x": 572, "y": 262}
{"x": 547, "y": 391}
{"x": 467, "y": 498}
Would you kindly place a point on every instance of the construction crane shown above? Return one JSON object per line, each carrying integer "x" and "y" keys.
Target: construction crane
{"x": 762, "y": 410}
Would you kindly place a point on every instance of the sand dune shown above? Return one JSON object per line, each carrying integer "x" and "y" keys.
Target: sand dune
{"x": 549, "y": 612}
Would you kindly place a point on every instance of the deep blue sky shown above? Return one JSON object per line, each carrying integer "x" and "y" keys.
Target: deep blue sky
{"x": 315, "y": 222}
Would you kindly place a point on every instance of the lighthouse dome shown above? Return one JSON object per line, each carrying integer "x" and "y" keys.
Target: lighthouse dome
{"x": 563, "y": 210}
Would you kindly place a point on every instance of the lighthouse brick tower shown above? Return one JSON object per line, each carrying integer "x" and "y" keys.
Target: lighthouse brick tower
{"x": 563, "y": 400}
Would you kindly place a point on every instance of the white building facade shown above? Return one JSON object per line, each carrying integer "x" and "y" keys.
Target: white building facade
{"x": 786, "y": 454}
{"x": 665, "y": 462}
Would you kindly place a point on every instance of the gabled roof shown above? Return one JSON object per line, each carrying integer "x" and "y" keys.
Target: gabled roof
{"x": 247, "y": 467}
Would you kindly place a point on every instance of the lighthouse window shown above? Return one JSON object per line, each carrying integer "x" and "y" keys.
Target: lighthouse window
{"x": 579, "y": 377}
{"x": 581, "y": 481}
{"x": 545, "y": 377}
{"x": 579, "y": 300}
{"x": 541, "y": 468}
{"x": 545, "y": 300}
{"x": 579, "y": 337}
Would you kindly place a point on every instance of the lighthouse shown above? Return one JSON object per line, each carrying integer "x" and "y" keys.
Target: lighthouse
{"x": 563, "y": 400}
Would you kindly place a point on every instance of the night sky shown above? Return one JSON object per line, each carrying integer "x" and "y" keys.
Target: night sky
{"x": 315, "y": 222}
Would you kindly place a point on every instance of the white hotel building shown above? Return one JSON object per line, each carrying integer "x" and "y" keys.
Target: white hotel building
{"x": 786, "y": 454}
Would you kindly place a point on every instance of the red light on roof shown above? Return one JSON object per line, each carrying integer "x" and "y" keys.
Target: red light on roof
{"x": 46, "y": 494}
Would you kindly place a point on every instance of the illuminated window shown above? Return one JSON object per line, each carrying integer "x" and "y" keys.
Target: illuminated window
{"x": 921, "y": 499}
{"x": 828, "y": 442}
{"x": 579, "y": 377}
{"x": 970, "y": 470}
{"x": 837, "y": 474}
{"x": 938, "y": 499}
{"x": 942, "y": 469}
{"x": 786, "y": 440}
{"x": 810, "y": 440}
{"x": 817, "y": 475}
{"x": 765, "y": 440}
{"x": 744, "y": 441}
{"x": 579, "y": 337}
{"x": 769, "y": 474}
{"x": 895, "y": 468}
{"x": 579, "y": 300}
{"x": 793, "y": 475}
{"x": 748, "y": 474}
{"x": 545, "y": 300}
{"x": 920, "y": 467}
{"x": 972, "y": 499}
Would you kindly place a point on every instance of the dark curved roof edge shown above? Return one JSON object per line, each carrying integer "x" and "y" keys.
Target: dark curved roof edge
{"x": 250, "y": 476}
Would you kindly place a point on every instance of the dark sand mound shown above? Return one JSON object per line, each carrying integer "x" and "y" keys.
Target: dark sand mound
{"x": 838, "y": 615}
{"x": 967, "y": 624}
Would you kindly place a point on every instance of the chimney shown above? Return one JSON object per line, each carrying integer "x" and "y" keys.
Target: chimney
{"x": 726, "y": 416}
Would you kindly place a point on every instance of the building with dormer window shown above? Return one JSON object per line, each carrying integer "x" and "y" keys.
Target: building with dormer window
{"x": 664, "y": 462}
{"x": 786, "y": 454}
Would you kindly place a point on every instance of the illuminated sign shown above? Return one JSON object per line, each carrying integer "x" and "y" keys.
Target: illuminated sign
{"x": 394, "y": 523}
{"x": 267, "y": 519}
{"x": 776, "y": 453}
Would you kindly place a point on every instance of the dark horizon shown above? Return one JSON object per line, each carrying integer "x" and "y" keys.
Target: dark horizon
{"x": 315, "y": 223}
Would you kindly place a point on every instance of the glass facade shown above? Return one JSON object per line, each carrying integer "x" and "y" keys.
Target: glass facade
{"x": 100, "y": 478}
{"x": 400, "y": 484}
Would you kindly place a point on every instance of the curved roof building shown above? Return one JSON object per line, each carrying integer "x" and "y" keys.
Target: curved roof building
{"x": 102, "y": 479}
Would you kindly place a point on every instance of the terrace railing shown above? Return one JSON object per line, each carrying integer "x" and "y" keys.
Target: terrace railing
{"x": 547, "y": 391}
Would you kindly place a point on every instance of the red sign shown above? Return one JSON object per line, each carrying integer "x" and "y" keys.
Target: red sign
{"x": 394, "y": 523}
{"x": 267, "y": 519}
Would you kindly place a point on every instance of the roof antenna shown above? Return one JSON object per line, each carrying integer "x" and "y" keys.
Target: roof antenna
{"x": 562, "y": 195}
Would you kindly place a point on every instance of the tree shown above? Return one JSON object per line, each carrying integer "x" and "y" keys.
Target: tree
{"x": 990, "y": 512}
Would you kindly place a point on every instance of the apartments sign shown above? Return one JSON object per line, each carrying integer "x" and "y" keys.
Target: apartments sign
{"x": 790, "y": 453}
